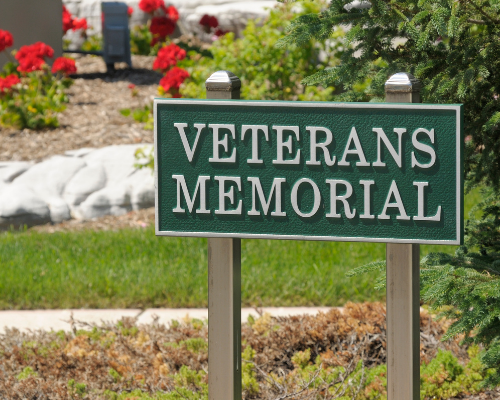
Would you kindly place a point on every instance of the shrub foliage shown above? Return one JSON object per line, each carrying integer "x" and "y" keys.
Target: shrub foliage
{"x": 266, "y": 71}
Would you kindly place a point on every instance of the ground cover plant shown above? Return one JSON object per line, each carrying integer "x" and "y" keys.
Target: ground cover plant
{"x": 337, "y": 355}
{"x": 452, "y": 47}
{"x": 31, "y": 92}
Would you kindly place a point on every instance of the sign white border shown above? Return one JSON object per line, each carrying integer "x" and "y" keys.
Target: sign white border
{"x": 270, "y": 103}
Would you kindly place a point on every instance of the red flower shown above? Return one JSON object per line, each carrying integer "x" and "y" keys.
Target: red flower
{"x": 150, "y": 6}
{"x": 131, "y": 86}
{"x": 208, "y": 21}
{"x": 171, "y": 12}
{"x": 38, "y": 49}
{"x": 30, "y": 63}
{"x": 162, "y": 26}
{"x": 32, "y": 57}
{"x": 7, "y": 82}
{"x": 6, "y": 40}
{"x": 64, "y": 65}
{"x": 168, "y": 56}
{"x": 155, "y": 40}
{"x": 67, "y": 20}
{"x": 220, "y": 32}
{"x": 173, "y": 78}
{"x": 79, "y": 24}
{"x": 43, "y": 50}
{"x": 130, "y": 11}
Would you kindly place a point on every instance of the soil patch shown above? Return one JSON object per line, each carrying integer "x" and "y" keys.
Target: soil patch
{"x": 132, "y": 220}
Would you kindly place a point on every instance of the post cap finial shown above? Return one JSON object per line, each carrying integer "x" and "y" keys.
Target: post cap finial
{"x": 402, "y": 82}
{"x": 223, "y": 81}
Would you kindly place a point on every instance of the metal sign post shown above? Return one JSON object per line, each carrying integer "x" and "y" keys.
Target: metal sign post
{"x": 403, "y": 288}
{"x": 224, "y": 286}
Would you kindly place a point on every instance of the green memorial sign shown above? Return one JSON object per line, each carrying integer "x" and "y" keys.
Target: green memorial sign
{"x": 373, "y": 172}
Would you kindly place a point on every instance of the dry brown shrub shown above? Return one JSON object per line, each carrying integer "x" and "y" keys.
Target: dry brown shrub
{"x": 147, "y": 357}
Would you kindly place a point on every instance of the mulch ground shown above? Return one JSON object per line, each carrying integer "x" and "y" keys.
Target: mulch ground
{"x": 92, "y": 117}
{"x": 168, "y": 359}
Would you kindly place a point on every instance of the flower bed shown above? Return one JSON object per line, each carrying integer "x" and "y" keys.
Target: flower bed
{"x": 91, "y": 117}
{"x": 337, "y": 355}
{"x": 32, "y": 93}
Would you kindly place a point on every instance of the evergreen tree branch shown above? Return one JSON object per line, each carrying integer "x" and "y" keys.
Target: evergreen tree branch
{"x": 482, "y": 12}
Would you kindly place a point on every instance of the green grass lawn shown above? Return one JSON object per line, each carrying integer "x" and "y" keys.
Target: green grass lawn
{"x": 134, "y": 268}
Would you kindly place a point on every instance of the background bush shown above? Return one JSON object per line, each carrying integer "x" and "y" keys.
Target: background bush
{"x": 266, "y": 72}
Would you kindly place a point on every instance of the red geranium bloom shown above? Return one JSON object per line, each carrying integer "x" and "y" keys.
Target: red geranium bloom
{"x": 43, "y": 50}
{"x": 64, "y": 65}
{"x": 173, "y": 78}
{"x": 171, "y": 12}
{"x": 38, "y": 49}
{"x": 67, "y": 20}
{"x": 30, "y": 63}
{"x": 6, "y": 40}
{"x": 168, "y": 56}
{"x": 32, "y": 57}
{"x": 155, "y": 40}
{"x": 150, "y": 6}
{"x": 209, "y": 21}
{"x": 162, "y": 26}
{"x": 9, "y": 81}
{"x": 220, "y": 32}
{"x": 79, "y": 24}
{"x": 130, "y": 11}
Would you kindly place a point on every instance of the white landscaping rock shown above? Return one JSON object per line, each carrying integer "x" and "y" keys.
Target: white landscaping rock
{"x": 118, "y": 161}
{"x": 79, "y": 152}
{"x": 48, "y": 180}
{"x": 83, "y": 184}
{"x": 88, "y": 180}
{"x": 59, "y": 210}
{"x": 142, "y": 189}
{"x": 10, "y": 170}
{"x": 19, "y": 206}
{"x": 112, "y": 200}
{"x": 133, "y": 189}
{"x": 50, "y": 177}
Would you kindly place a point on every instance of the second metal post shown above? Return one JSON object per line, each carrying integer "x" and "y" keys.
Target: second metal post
{"x": 224, "y": 286}
{"x": 403, "y": 287}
